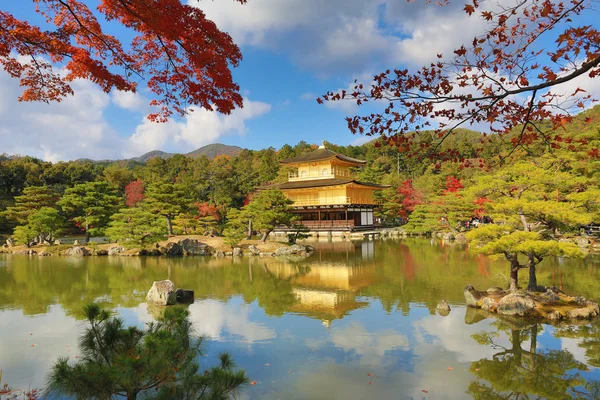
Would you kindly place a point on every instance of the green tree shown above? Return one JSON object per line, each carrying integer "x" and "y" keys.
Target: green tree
{"x": 32, "y": 199}
{"x": 90, "y": 206}
{"x": 24, "y": 234}
{"x": 133, "y": 226}
{"x": 46, "y": 223}
{"x": 268, "y": 210}
{"x": 168, "y": 200}
{"x": 234, "y": 231}
{"x": 159, "y": 362}
{"x": 500, "y": 240}
{"x": 118, "y": 175}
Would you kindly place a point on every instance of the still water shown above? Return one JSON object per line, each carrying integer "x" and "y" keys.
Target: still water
{"x": 355, "y": 320}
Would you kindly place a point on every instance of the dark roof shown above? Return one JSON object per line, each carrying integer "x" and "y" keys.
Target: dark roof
{"x": 319, "y": 155}
{"x": 320, "y": 183}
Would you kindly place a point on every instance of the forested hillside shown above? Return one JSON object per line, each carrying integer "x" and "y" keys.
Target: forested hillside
{"x": 452, "y": 188}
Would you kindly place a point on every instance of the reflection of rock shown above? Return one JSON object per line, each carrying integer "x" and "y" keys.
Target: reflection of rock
{"x": 548, "y": 304}
{"x": 443, "y": 308}
{"x": 162, "y": 293}
{"x": 77, "y": 251}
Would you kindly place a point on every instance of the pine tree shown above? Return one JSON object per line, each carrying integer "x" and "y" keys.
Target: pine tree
{"x": 134, "y": 226}
{"x": 168, "y": 200}
{"x": 90, "y": 206}
{"x": 268, "y": 210}
{"x": 32, "y": 199}
{"x": 161, "y": 362}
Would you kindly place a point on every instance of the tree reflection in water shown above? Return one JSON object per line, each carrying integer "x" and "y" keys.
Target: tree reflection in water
{"x": 520, "y": 370}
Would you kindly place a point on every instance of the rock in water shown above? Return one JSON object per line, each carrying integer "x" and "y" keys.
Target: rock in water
{"x": 184, "y": 296}
{"x": 77, "y": 252}
{"x": 75, "y": 242}
{"x": 115, "y": 250}
{"x": 193, "y": 247}
{"x": 516, "y": 304}
{"x": 237, "y": 252}
{"x": 443, "y": 308}
{"x": 253, "y": 250}
{"x": 162, "y": 293}
{"x": 472, "y": 296}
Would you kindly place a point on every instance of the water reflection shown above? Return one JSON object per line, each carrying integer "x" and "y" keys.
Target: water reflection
{"x": 354, "y": 320}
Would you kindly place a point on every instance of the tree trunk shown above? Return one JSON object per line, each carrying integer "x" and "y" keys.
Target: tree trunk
{"x": 249, "y": 235}
{"x": 169, "y": 225}
{"x": 265, "y": 235}
{"x": 87, "y": 233}
{"x": 514, "y": 273}
{"x": 532, "y": 276}
{"x": 524, "y": 221}
{"x": 132, "y": 396}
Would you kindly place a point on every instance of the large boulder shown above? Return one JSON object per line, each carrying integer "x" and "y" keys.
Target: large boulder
{"x": 193, "y": 247}
{"x": 100, "y": 252}
{"x": 162, "y": 293}
{"x": 115, "y": 250}
{"x": 253, "y": 250}
{"x": 237, "y": 252}
{"x": 77, "y": 251}
{"x": 10, "y": 242}
{"x": 461, "y": 238}
{"x": 295, "y": 249}
{"x": 173, "y": 249}
{"x": 517, "y": 303}
{"x": 582, "y": 242}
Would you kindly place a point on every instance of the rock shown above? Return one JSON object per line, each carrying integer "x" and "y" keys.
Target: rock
{"x": 495, "y": 289}
{"x": 265, "y": 254}
{"x": 443, "y": 308}
{"x": 143, "y": 252}
{"x": 154, "y": 252}
{"x": 489, "y": 304}
{"x": 472, "y": 296}
{"x": 173, "y": 249}
{"x": 237, "y": 252}
{"x": 448, "y": 236}
{"x": 551, "y": 296}
{"x": 184, "y": 296}
{"x": 162, "y": 293}
{"x": 101, "y": 252}
{"x": 581, "y": 301}
{"x": 581, "y": 313}
{"x": 582, "y": 242}
{"x": 461, "y": 238}
{"x": 46, "y": 243}
{"x": 32, "y": 252}
{"x": 57, "y": 242}
{"x": 5, "y": 246}
{"x": 219, "y": 253}
{"x": 554, "y": 316}
{"x": 295, "y": 249}
{"x": 43, "y": 254}
{"x": 193, "y": 247}
{"x": 516, "y": 304}
{"x": 10, "y": 242}
{"x": 253, "y": 250}
{"x": 115, "y": 250}
{"x": 75, "y": 242}
{"x": 229, "y": 253}
{"x": 77, "y": 251}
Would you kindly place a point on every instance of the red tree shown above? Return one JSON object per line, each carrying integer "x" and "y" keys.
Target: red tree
{"x": 410, "y": 198}
{"x": 453, "y": 185}
{"x": 209, "y": 210}
{"x": 134, "y": 193}
{"x": 508, "y": 79}
{"x": 181, "y": 55}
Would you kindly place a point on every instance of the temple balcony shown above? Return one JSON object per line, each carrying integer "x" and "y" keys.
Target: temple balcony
{"x": 333, "y": 201}
{"x": 324, "y": 173}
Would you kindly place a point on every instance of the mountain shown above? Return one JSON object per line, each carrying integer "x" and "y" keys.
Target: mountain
{"x": 210, "y": 151}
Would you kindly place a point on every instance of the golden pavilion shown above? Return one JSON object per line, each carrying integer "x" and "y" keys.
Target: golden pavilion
{"x": 326, "y": 194}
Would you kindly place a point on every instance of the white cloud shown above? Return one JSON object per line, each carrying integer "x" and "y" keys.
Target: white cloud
{"x": 130, "y": 101}
{"x": 199, "y": 128}
{"x": 74, "y": 128}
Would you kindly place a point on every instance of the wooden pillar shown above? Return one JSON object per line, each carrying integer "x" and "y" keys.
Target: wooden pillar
{"x": 346, "y": 209}
{"x": 318, "y": 217}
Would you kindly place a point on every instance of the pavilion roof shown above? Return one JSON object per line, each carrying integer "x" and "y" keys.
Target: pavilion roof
{"x": 321, "y": 183}
{"x": 322, "y": 154}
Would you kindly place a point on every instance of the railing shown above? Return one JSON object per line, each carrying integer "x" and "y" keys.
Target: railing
{"x": 322, "y": 174}
{"x": 334, "y": 201}
{"x": 328, "y": 224}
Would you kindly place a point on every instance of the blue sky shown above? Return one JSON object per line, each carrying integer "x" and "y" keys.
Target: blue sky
{"x": 294, "y": 50}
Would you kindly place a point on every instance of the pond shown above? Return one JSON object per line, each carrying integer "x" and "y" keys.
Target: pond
{"x": 355, "y": 320}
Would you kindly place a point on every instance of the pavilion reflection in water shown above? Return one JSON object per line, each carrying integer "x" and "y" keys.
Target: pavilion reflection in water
{"x": 328, "y": 290}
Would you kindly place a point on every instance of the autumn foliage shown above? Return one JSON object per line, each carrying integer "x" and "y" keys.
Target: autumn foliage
{"x": 410, "y": 198}
{"x": 180, "y": 55}
{"x": 134, "y": 193}
{"x": 507, "y": 80}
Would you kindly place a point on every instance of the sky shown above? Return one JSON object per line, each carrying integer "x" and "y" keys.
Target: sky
{"x": 294, "y": 51}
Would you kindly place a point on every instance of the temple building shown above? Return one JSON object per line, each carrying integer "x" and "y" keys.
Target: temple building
{"x": 326, "y": 194}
